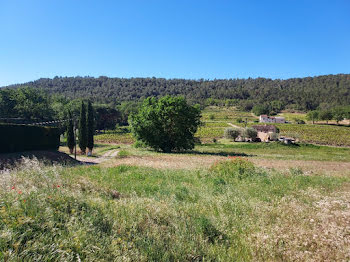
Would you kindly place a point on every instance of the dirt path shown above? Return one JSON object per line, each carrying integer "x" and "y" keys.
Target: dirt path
{"x": 234, "y": 125}
{"x": 110, "y": 154}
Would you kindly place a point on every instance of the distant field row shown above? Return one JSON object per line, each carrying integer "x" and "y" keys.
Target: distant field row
{"x": 215, "y": 120}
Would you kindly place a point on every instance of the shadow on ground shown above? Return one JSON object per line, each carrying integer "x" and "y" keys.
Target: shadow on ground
{"x": 7, "y": 161}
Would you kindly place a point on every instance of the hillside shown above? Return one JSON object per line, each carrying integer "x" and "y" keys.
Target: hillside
{"x": 303, "y": 93}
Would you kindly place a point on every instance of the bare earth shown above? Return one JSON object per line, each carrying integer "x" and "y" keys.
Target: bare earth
{"x": 195, "y": 162}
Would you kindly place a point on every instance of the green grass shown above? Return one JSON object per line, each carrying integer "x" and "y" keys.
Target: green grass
{"x": 276, "y": 150}
{"x": 142, "y": 214}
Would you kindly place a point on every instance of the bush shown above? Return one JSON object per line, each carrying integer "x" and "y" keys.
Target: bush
{"x": 16, "y": 138}
{"x": 250, "y": 132}
{"x": 231, "y": 133}
{"x": 273, "y": 136}
{"x": 123, "y": 154}
{"x": 166, "y": 124}
{"x": 139, "y": 144}
{"x": 234, "y": 167}
{"x": 239, "y": 120}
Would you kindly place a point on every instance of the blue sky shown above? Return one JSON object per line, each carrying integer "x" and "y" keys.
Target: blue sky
{"x": 173, "y": 39}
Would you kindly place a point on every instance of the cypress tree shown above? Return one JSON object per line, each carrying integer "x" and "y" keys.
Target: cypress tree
{"x": 90, "y": 127}
{"x": 82, "y": 129}
{"x": 70, "y": 133}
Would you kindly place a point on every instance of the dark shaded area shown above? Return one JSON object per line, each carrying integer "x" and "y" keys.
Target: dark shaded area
{"x": 298, "y": 93}
{"x": 220, "y": 153}
{"x": 8, "y": 161}
{"x": 18, "y": 138}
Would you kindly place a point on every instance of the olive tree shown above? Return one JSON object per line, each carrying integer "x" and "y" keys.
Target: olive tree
{"x": 166, "y": 124}
{"x": 231, "y": 133}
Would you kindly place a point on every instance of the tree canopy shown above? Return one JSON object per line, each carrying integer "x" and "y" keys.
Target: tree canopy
{"x": 166, "y": 124}
{"x": 298, "y": 93}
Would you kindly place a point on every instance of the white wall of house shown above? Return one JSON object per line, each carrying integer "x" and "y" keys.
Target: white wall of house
{"x": 268, "y": 119}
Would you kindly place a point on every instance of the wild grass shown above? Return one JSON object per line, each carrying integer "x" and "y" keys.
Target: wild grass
{"x": 129, "y": 213}
{"x": 276, "y": 150}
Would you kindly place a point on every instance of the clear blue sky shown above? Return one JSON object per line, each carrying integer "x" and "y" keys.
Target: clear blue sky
{"x": 173, "y": 39}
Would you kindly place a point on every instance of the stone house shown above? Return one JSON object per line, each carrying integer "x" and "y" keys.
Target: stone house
{"x": 265, "y": 132}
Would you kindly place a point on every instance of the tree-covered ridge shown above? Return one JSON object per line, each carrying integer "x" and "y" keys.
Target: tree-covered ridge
{"x": 300, "y": 93}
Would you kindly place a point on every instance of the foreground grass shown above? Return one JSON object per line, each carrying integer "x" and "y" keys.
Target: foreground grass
{"x": 233, "y": 212}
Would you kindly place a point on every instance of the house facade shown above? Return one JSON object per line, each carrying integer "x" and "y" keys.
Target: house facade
{"x": 271, "y": 119}
{"x": 265, "y": 132}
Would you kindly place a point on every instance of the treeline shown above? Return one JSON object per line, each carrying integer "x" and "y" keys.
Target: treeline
{"x": 304, "y": 94}
{"x": 30, "y": 105}
{"x": 338, "y": 114}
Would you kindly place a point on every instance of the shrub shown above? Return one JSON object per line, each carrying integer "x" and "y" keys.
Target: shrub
{"x": 273, "y": 136}
{"x": 234, "y": 167}
{"x": 166, "y": 124}
{"x": 250, "y": 132}
{"x": 123, "y": 154}
{"x": 139, "y": 144}
{"x": 16, "y": 138}
{"x": 239, "y": 120}
{"x": 211, "y": 116}
{"x": 231, "y": 133}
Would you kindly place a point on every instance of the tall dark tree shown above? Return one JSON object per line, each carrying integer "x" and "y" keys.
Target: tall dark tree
{"x": 90, "y": 125}
{"x": 70, "y": 133}
{"x": 82, "y": 129}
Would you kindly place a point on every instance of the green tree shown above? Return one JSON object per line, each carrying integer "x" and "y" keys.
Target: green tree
{"x": 70, "y": 133}
{"x": 250, "y": 132}
{"x": 326, "y": 115}
{"x": 313, "y": 116}
{"x": 166, "y": 124}
{"x": 90, "y": 125}
{"x": 338, "y": 114}
{"x": 231, "y": 133}
{"x": 82, "y": 129}
{"x": 261, "y": 110}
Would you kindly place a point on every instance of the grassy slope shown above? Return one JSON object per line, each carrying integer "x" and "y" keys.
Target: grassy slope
{"x": 162, "y": 215}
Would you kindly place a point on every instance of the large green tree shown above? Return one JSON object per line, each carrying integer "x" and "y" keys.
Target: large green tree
{"x": 82, "y": 129}
{"x": 166, "y": 124}
{"x": 90, "y": 125}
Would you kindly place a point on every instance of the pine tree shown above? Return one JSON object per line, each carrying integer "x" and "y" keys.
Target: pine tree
{"x": 90, "y": 127}
{"x": 70, "y": 133}
{"x": 82, "y": 129}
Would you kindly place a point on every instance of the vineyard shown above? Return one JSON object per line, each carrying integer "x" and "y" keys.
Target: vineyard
{"x": 215, "y": 120}
{"x": 318, "y": 134}
{"x": 119, "y": 136}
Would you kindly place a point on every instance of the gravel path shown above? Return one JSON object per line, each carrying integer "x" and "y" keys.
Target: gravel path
{"x": 110, "y": 154}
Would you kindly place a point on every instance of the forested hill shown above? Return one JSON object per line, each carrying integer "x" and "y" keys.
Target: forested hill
{"x": 306, "y": 93}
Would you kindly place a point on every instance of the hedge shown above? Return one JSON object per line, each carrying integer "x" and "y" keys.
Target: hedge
{"x": 16, "y": 138}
